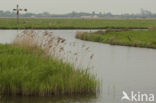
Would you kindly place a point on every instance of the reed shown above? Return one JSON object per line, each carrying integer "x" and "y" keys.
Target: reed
{"x": 30, "y": 66}
{"x": 135, "y": 38}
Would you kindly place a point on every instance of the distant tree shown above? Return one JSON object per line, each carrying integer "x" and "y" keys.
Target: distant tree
{"x": 93, "y": 13}
{"x": 143, "y": 14}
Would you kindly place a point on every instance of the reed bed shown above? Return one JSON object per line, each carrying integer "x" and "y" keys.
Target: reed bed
{"x": 125, "y": 37}
{"x": 31, "y": 66}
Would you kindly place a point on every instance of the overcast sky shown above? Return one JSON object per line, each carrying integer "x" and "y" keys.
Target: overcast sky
{"x": 66, "y": 6}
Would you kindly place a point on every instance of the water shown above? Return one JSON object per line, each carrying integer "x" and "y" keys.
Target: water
{"x": 118, "y": 67}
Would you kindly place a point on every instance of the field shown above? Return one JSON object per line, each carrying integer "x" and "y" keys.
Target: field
{"x": 26, "y": 69}
{"x": 135, "y": 38}
{"x": 60, "y": 23}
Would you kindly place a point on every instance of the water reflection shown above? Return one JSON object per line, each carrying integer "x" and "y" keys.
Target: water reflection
{"x": 68, "y": 99}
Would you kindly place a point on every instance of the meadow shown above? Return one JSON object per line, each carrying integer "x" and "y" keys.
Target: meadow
{"x": 135, "y": 38}
{"x": 71, "y": 23}
{"x": 27, "y": 69}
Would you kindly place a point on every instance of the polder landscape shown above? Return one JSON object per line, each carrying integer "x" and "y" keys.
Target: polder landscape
{"x": 120, "y": 31}
{"x": 76, "y": 59}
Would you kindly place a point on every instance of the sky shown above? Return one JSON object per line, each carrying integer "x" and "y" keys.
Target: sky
{"x": 66, "y": 6}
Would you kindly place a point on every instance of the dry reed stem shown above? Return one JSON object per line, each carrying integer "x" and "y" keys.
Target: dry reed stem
{"x": 51, "y": 45}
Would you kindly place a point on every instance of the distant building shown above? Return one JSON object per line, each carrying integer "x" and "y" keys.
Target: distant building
{"x": 95, "y": 16}
{"x": 86, "y": 16}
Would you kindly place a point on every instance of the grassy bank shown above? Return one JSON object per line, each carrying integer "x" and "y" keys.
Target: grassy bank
{"x": 36, "y": 23}
{"x": 30, "y": 72}
{"x": 26, "y": 69}
{"x": 140, "y": 38}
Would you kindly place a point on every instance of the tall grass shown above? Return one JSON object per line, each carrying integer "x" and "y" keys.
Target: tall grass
{"x": 30, "y": 67}
{"x": 53, "y": 23}
{"x": 135, "y": 38}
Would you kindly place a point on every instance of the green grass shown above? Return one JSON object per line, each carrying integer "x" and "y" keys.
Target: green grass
{"x": 28, "y": 71}
{"x": 139, "y": 38}
{"x": 53, "y": 23}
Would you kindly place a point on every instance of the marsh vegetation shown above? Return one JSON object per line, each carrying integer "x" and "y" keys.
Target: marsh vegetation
{"x": 125, "y": 37}
{"x": 30, "y": 66}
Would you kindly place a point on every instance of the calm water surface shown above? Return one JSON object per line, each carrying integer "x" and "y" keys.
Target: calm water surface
{"x": 118, "y": 67}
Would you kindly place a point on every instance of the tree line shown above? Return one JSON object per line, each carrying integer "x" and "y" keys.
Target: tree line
{"x": 143, "y": 14}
